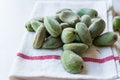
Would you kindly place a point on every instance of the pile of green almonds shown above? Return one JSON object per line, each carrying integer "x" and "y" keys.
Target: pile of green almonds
{"x": 75, "y": 32}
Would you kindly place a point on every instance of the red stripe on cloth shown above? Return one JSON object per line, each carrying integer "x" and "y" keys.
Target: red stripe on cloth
{"x": 38, "y": 57}
{"x": 86, "y": 59}
{"x": 117, "y": 58}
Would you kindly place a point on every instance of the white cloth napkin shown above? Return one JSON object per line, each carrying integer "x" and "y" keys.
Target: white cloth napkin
{"x": 41, "y": 64}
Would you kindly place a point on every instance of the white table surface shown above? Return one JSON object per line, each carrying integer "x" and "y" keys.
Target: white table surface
{"x": 13, "y": 15}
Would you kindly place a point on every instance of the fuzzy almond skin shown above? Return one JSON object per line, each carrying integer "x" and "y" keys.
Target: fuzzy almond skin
{"x": 94, "y": 19}
{"x": 35, "y": 24}
{"x": 64, "y": 25}
{"x": 87, "y": 11}
{"x": 86, "y": 19}
{"x": 52, "y": 43}
{"x": 71, "y": 62}
{"x": 84, "y": 33}
{"x": 76, "y": 47}
{"x": 106, "y": 39}
{"x": 116, "y": 23}
{"x": 52, "y": 26}
{"x": 61, "y": 10}
{"x": 69, "y": 17}
{"x": 68, "y": 35}
{"x": 97, "y": 27}
{"x": 29, "y": 27}
{"x": 39, "y": 37}
{"x": 56, "y": 17}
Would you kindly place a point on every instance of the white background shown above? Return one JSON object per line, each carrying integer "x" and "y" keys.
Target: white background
{"x": 13, "y": 15}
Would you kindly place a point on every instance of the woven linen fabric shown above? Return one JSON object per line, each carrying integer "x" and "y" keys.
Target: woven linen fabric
{"x": 42, "y": 64}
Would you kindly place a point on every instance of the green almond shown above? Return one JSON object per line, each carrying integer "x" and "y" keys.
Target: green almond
{"x": 106, "y": 39}
{"x": 86, "y": 19}
{"x": 84, "y": 33}
{"x": 116, "y": 23}
{"x": 39, "y": 36}
{"x": 35, "y": 24}
{"x": 76, "y": 47}
{"x": 69, "y": 17}
{"x": 52, "y": 26}
{"x": 29, "y": 27}
{"x": 68, "y": 35}
{"x": 61, "y": 10}
{"x": 87, "y": 11}
{"x": 97, "y": 27}
{"x": 52, "y": 43}
{"x": 71, "y": 62}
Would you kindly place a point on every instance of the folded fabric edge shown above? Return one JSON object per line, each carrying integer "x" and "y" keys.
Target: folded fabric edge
{"x": 110, "y": 15}
{"x": 15, "y": 77}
